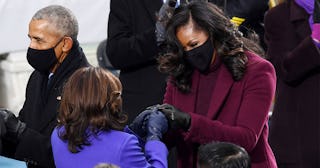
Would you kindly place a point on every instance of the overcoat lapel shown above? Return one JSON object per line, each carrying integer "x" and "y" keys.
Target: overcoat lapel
{"x": 152, "y": 7}
{"x": 190, "y": 99}
{"x": 220, "y": 91}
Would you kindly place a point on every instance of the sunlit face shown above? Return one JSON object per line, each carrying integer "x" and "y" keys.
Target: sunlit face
{"x": 43, "y": 36}
{"x": 190, "y": 37}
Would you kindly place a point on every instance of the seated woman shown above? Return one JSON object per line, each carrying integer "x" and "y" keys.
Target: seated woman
{"x": 90, "y": 124}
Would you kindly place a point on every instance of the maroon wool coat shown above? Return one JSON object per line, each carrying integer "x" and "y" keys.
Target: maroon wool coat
{"x": 295, "y": 123}
{"x": 238, "y": 113}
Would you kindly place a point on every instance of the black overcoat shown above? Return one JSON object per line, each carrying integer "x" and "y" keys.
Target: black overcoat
{"x": 131, "y": 47}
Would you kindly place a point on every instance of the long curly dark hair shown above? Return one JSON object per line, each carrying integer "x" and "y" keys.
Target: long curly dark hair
{"x": 91, "y": 102}
{"x": 227, "y": 40}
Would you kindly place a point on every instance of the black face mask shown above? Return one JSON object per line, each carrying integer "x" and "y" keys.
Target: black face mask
{"x": 200, "y": 57}
{"x": 42, "y": 60}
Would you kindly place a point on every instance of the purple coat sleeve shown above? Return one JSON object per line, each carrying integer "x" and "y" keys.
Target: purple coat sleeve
{"x": 155, "y": 154}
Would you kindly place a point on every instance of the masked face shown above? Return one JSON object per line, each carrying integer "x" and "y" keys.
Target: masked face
{"x": 42, "y": 60}
{"x": 43, "y": 52}
{"x": 197, "y": 46}
{"x": 200, "y": 57}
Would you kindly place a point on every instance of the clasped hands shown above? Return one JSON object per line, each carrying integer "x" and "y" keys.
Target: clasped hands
{"x": 152, "y": 123}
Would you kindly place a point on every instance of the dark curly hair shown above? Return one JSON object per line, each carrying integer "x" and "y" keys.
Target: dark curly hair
{"x": 91, "y": 102}
{"x": 228, "y": 42}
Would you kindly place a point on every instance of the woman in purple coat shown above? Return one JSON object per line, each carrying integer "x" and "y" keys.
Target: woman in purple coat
{"x": 219, "y": 90}
{"x": 90, "y": 124}
{"x": 292, "y": 36}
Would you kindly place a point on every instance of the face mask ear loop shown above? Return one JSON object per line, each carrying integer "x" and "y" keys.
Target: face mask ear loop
{"x": 59, "y": 63}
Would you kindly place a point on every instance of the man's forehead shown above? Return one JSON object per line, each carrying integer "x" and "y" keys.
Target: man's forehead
{"x": 41, "y": 27}
{"x": 39, "y": 24}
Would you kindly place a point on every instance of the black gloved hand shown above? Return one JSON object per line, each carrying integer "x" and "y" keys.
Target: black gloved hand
{"x": 165, "y": 13}
{"x": 13, "y": 125}
{"x": 157, "y": 125}
{"x": 177, "y": 119}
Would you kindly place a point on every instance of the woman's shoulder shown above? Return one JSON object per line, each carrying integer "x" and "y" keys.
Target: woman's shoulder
{"x": 257, "y": 62}
{"x": 117, "y": 134}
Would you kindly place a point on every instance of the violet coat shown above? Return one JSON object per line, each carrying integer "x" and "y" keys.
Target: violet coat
{"x": 238, "y": 113}
{"x": 295, "y": 123}
{"x": 115, "y": 147}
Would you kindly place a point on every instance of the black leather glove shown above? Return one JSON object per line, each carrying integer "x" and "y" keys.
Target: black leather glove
{"x": 157, "y": 125}
{"x": 177, "y": 119}
{"x": 165, "y": 13}
{"x": 14, "y": 126}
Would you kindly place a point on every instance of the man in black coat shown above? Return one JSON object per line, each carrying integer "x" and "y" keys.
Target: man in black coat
{"x": 132, "y": 48}
{"x": 55, "y": 54}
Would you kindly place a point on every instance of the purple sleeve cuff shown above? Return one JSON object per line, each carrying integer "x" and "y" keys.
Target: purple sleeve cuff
{"x": 129, "y": 131}
{"x": 316, "y": 43}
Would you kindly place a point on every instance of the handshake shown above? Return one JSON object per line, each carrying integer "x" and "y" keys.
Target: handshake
{"x": 152, "y": 123}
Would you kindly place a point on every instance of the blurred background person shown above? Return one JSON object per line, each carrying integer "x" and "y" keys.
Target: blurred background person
{"x": 103, "y": 60}
{"x": 55, "y": 54}
{"x": 90, "y": 124}
{"x": 135, "y": 32}
{"x": 132, "y": 48}
{"x": 220, "y": 89}
{"x": 248, "y": 15}
{"x": 223, "y": 155}
{"x": 292, "y": 36}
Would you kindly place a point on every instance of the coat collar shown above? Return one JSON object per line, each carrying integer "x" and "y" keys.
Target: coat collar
{"x": 152, "y": 6}
{"x": 300, "y": 19}
{"x": 75, "y": 60}
{"x": 297, "y": 13}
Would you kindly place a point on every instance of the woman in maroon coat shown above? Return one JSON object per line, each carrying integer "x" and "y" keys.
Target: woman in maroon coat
{"x": 291, "y": 37}
{"x": 219, "y": 90}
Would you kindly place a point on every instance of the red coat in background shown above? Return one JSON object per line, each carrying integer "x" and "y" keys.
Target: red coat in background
{"x": 295, "y": 123}
{"x": 238, "y": 113}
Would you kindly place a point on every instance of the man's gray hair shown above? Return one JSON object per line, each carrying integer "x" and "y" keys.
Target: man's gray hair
{"x": 61, "y": 18}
